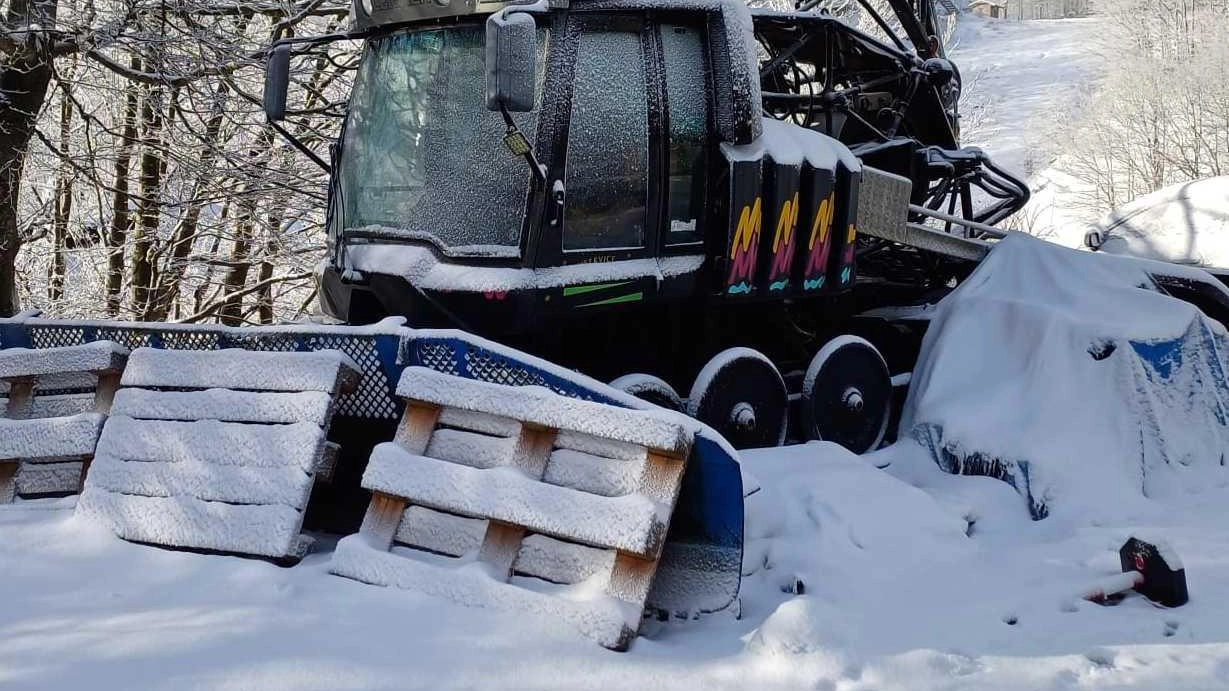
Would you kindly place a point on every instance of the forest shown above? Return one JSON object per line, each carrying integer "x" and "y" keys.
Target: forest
{"x": 138, "y": 177}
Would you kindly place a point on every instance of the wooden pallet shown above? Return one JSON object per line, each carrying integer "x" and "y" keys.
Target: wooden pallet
{"x": 46, "y": 442}
{"x": 515, "y": 497}
{"x": 217, "y": 450}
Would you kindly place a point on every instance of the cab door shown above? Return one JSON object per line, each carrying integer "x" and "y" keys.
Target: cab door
{"x": 633, "y": 137}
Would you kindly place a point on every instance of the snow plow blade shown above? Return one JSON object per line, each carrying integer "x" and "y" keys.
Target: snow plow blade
{"x": 701, "y": 557}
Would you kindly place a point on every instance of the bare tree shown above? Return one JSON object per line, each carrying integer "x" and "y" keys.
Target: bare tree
{"x": 137, "y": 175}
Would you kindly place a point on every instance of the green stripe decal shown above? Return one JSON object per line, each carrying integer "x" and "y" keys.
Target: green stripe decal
{"x": 569, "y": 291}
{"x": 634, "y": 297}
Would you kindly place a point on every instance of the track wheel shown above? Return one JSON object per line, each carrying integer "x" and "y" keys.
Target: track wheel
{"x": 741, "y": 394}
{"x": 847, "y": 395}
{"x": 646, "y": 387}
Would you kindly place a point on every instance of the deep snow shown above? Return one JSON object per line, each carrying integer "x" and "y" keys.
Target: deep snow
{"x": 896, "y": 597}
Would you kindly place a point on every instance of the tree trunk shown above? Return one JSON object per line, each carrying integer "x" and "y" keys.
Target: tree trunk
{"x": 63, "y": 199}
{"x": 166, "y": 290}
{"x": 24, "y": 78}
{"x": 149, "y": 206}
{"x": 121, "y": 219}
{"x": 231, "y": 312}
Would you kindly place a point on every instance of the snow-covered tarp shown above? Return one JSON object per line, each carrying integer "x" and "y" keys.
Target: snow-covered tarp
{"x": 1069, "y": 376}
{"x": 1187, "y": 223}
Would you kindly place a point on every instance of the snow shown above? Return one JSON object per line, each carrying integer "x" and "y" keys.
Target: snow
{"x": 897, "y": 598}
{"x": 540, "y": 406}
{"x": 440, "y": 532}
{"x": 1067, "y": 375}
{"x": 494, "y": 425}
{"x": 470, "y": 448}
{"x": 630, "y": 523}
{"x": 48, "y": 478}
{"x": 206, "y": 481}
{"x": 1187, "y": 223}
{"x": 424, "y": 269}
{"x": 67, "y": 405}
{"x": 788, "y": 144}
{"x": 185, "y": 521}
{"x": 223, "y": 404}
{"x": 48, "y": 437}
{"x": 607, "y": 448}
{"x": 1023, "y": 81}
{"x": 211, "y": 442}
{"x": 233, "y": 368}
{"x": 602, "y": 618}
{"x": 594, "y": 474}
{"x": 561, "y": 562}
{"x": 91, "y": 357}
{"x": 540, "y": 556}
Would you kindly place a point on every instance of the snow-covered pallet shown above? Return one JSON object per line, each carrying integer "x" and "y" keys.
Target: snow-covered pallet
{"x": 46, "y": 444}
{"x": 519, "y": 498}
{"x": 217, "y": 450}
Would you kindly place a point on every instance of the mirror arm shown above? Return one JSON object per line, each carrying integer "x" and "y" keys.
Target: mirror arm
{"x": 518, "y": 143}
{"x": 294, "y": 141}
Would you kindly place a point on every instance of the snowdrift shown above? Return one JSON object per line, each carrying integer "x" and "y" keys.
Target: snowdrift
{"x": 1069, "y": 376}
{"x": 1186, "y": 223}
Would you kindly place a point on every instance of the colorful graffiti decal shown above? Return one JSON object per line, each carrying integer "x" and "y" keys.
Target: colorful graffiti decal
{"x": 820, "y": 245}
{"x": 847, "y": 256}
{"x": 783, "y": 245}
{"x": 744, "y": 249}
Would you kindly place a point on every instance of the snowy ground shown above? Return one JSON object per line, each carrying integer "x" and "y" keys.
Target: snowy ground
{"x": 1024, "y": 83}
{"x": 898, "y": 596}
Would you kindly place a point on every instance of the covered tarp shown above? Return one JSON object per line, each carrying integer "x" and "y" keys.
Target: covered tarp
{"x": 1070, "y": 376}
{"x": 1187, "y": 223}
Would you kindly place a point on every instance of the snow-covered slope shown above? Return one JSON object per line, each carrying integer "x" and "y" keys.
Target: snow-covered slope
{"x": 1024, "y": 80}
{"x": 1187, "y": 223}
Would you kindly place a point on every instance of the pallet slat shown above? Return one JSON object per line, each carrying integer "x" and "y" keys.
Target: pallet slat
{"x": 539, "y": 556}
{"x": 48, "y": 437}
{"x": 607, "y": 620}
{"x": 594, "y": 474}
{"x": 320, "y": 370}
{"x": 212, "y": 442}
{"x": 629, "y": 523}
{"x": 49, "y": 478}
{"x": 268, "y": 530}
{"x": 285, "y": 485}
{"x": 225, "y": 405}
{"x": 544, "y": 408}
{"x": 470, "y": 448}
{"x": 99, "y": 356}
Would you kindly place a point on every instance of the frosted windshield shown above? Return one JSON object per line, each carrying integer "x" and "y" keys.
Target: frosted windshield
{"x": 422, "y": 157}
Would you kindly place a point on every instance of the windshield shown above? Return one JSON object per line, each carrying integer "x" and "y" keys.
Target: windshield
{"x": 422, "y": 157}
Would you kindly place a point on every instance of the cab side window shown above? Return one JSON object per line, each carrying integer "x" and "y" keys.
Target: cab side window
{"x": 687, "y": 107}
{"x": 608, "y": 143}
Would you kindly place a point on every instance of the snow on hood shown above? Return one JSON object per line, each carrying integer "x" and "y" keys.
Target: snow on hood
{"x": 1186, "y": 223}
{"x": 1067, "y": 375}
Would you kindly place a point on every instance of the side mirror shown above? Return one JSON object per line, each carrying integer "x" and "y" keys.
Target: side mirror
{"x": 277, "y": 82}
{"x": 511, "y": 61}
